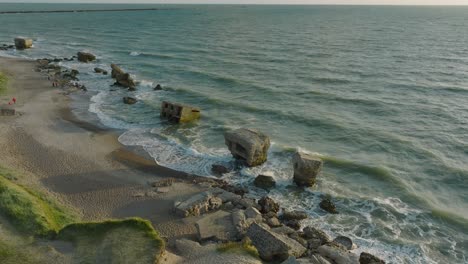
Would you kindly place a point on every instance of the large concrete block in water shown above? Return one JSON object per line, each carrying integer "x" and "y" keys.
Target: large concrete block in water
{"x": 179, "y": 112}
{"x": 85, "y": 56}
{"x": 306, "y": 168}
{"x": 248, "y": 145}
{"x": 23, "y": 43}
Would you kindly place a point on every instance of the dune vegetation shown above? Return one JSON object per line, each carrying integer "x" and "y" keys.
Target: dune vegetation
{"x": 3, "y": 83}
{"x": 244, "y": 246}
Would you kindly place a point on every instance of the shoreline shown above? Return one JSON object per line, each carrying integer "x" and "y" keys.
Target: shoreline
{"x": 79, "y": 11}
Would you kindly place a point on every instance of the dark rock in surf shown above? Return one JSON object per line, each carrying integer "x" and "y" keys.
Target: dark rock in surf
{"x": 294, "y": 215}
{"x": 344, "y": 241}
{"x": 129, "y": 100}
{"x": 122, "y": 78}
{"x": 268, "y": 205}
{"x": 157, "y": 88}
{"x": 219, "y": 170}
{"x": 327, "y": 205}
{"x": 265, "y": 182}
{"x": 306, "y": 168}
{"x": 366, "y": 258}
{"x": 85, "y": 56}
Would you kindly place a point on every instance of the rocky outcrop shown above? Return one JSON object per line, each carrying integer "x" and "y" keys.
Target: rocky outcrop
{"x": 179, "y": 113}
{"x": 294, "y": 215}
{"x": 312, "y": 233}
{"x": 265, "y": 182}
{"x": 273, "y": 246}
{"x": 129, "y": 100}
{"x": 268, "y": 205}
{"x": 122, "y": 78}
{"x": 306, "y": 168}
{"x": 23, "y": 43}
{"x": 157, "y": 88}
{"x": 366, "y": 258}
{"x": 327, "y": 205}
{"x": 99, "y": 70}
{"x": 85, "y": 56}
{"x": 248, "y": 145}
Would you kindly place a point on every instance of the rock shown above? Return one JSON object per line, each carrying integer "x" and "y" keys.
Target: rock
{"x": 314, "y": 259}
{"x": 337, "y": 255}
{"x": 225, "y": 196}
{"x": 273, "y": 246}
{"x": 99, "y": 70}
{"x": 253, "y": 213}
{"x": 179, "y": 113}
{"x": 74, "y": 72}
{"x": 366, "y": 258}
{"x": 219, "y": 170}
{"x": 264, "y": 182}
{"x": 248, "y": 145}
{"x": 240, "y": 222}
{"x": 85, "y": 56}
{"x": 327, "y": 205}
{"x": 283, "y": 230}
{"x": 299, "y": 239}
{"x": 294, "y": 224}
{"x": 164, "y": 182}
{"x": 294, "y": 215}
{"x": 197, "y": 205}
{"x": 273, "y": 222}
{"x": 246, "y": 202}
{"x": 129, "y": 100}
{"x": 157, "y": 88}
{"x": 268, "y": 205}
{"x": 122, "y": 78}
{"x": 306, "y": 168}
{"x": 23, "y": 43}
{"x": 217, "y": 226}
{"x": 314, "y": 233}
{"x": 317, "y": 259}
{"x": 345, "y": 241}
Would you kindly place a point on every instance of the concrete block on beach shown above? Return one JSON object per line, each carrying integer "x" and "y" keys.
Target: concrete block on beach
{"x": 198, "y": 204}
{"x": 217, "y": 226}
{"x": 248, "y": 145}
{"x": 7, "y": 110}
{"x": 179, "y": 113}
{"x": 23, "y": 43}
{"x": 306, "y": 168}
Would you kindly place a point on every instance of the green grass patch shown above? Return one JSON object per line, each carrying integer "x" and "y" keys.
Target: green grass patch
{"x": 29, "y": 211}
{"x": 131, "y": 240}
{"x": 10, "y": 254}
{"x": 244, "y": 246}
{"x": 3, "y": 83}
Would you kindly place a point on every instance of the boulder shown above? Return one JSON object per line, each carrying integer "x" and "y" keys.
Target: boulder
{"x": 338, "y": 255}
{"x": 241, "y": 223}
{"x": 217, "y": 226}
{"x": 99, "y": 70}
{"x": 314, "y": 233}
{"x": 264, "y": 182}
{"x": 317, "y": 259}
{"x": 294, "y": 215}
{"x": 129, "y": 100}
{"x": 314, "y": 259}
{"x": 268, "y": 205}
{"x": 284, "y": 230}
{"x": 273, "y": 222}
{"x": 219, "y": 170}
{"x": 294, "y": 224}
{"x": 366, "y": 258}
{"x": 327, "y": 205}
{"x": 85, "y": 56}
{"x": 306, "y": 168}
{"x": 23, "y": 43}
{"x": 253, "y": 213}
{"x": 157, "y": 88}
{"x": 179, "y": 113}
{"x": 197, "y": 205}
{"x": 248, "y": 145}
{"x": 273, "y": 246}
{"x": 122, "y": 78}
{"x": 344, "y": 241}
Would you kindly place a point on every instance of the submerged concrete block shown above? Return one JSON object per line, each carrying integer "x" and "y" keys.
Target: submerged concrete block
{"x": 306, "y": 168}
{"x": 23, "y": 43}
{"x": 179, "y": 112}
{"x": 248, "y": 145}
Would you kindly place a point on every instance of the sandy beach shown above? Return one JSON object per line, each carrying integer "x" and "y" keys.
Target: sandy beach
{"x": 80, "y": 163}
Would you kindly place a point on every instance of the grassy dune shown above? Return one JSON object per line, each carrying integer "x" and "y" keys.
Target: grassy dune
{"x": 243, "y": 247}
{"x": 29, "y": 211}
{"x": 3, "y": 83}
{"x": 131, "y": 240}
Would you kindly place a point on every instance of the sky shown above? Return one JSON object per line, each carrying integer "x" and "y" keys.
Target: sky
{"x": 351, "y": 2}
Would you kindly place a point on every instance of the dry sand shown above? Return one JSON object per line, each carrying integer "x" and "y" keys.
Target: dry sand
{"x": 80, "y": 163}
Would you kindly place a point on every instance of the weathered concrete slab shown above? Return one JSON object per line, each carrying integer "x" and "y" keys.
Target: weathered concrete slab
{"x": 217, "y": 226}
{"x": 248, "y": 145}
{"x": 179, "y": 113}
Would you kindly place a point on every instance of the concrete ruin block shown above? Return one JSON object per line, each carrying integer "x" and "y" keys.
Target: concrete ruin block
{"x": 7, "y": 111}
{"x": 85, "y": 56}
{"x": 273, "y": 246}
{"x": 248, "y": 145}
{"x": 23, "y": 43}
{"x": 197, "y": 205}
{"x": 217, "y": 226}
{"x": 306, "y": 168}
{"x": 179, "y": 113}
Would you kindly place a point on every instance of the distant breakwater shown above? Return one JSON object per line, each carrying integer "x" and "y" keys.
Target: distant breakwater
{"x": 79, "y": 11}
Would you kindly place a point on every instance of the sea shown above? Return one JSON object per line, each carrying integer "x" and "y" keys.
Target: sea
{"x": 380, "y": 93}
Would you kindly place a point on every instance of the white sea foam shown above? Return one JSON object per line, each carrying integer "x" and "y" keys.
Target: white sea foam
{"x": 134, "y": 53}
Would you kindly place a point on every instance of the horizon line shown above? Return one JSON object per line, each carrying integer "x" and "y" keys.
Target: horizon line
{"x": 262, "y": 4}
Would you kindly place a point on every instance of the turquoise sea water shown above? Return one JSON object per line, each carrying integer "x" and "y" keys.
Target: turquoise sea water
{"x": 381, "y": 93}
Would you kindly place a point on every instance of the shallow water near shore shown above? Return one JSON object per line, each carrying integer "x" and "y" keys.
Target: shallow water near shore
{"x": 378, "y": 92}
